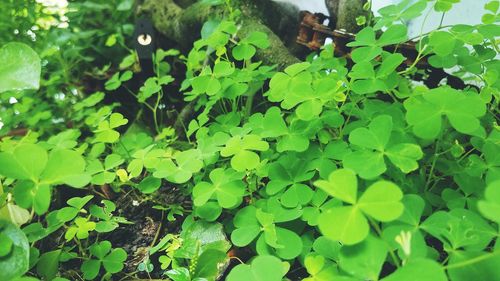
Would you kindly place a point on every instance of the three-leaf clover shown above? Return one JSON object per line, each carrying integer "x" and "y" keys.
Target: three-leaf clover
{"x": 117, "y": 79}
{"x": 111, "y": 259}
{"x": 368, "y": 161}
{"x": 186, "y": 163}
{"x": 106, "y": 129}
{"x": 249, "y": 223}
{"x": 37, "y": 170}
{"x": 101, "y": 174}
{"x": 80, "y": 229}
{"x": 226, "y": 186}
{"x": 462, "y": 109}
{"x": 246, "y": 48}
{"x": 289, "y": 174}
{"x": 242, "y": 148}
{"x": 348, "y": 224}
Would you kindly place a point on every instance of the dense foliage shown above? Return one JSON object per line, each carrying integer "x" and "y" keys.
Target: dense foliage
{"x": 331, "y": 169}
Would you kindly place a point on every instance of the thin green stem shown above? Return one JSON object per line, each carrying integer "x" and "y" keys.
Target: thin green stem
{"x": 379, "y": 233}
{"x": 471, "y": 261}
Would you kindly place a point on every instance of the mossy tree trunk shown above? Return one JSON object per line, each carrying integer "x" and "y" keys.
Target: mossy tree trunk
{"x": 182, "y": 20}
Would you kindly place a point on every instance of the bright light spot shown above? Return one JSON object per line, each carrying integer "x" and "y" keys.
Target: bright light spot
{"x": 13, "y": 100}
{"x": 59, "y": 96}
{"x": 54, "y": 3}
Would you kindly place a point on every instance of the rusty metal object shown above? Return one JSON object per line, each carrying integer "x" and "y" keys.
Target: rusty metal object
{"x": 313, "y": 34}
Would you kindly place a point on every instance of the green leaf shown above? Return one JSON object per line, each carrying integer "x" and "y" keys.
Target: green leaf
{"x": 381, "y": 201}
{"x": 364, "y": 260}
{"x": 20, "y": 68}
{"x": 365, "y": 37}
{"x": 442, "y": 42}
{"x": 444, "y": 5}
{"x": 113, "y": 262}
{"x": 241, "y": 149}
{"x": 26, "y": 161}
{"x": 262, "y": 268}
{"x": 105, "y": 131}
{"x": 405, "y": 156}
{"x": 341, "y": 184}
{"x": 345, "y": 224}
{"x": 223, "y": 68}
{"x": 149, "y": 185}
{"x": 5, "y": 245}
{"x": 394, "y": 34}
{"x": 490, "y": 206}
{"x": 485, "y": 266}
{"x": 418, "y": 269}
{"x": 243, "y": 51}
{"x": 111, "y": 259}
{"x": 208, "y": 264}
{"x": 16, "y": 263}
{"x": 461, "y": 108}
{"x": 367, "y": 164}
{"x": 370, "y": 164}
{"x": 348, "y": 224}
{"x": 48, "y": 264}
{"x": 376, "y": 136}
{"x": 186, "y": 163}
{"x": 65, "y": 167}
{"x": 227, "y": 187}
{"x": 258, "y": 39}
{"x": 389, "y": 64}
{"x": 459, "y": 228}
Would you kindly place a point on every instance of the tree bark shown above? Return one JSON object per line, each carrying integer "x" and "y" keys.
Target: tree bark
{"x": 344, "y": 13}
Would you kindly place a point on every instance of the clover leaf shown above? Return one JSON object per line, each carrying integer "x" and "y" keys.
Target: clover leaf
{"x": 226, "y": 186}
{"x": 117, "y": 79}
{"x": 462, "y": 109}
{"x": 348, "y": 224}
{"x": 296, "y": 87}
{"x": 75, "y": 206}
{"x": 364, "y": 260}
{"x": 242, "y": 148}
{"x": 490, "y": 206}
{"x": 100, "y": 173}
{"x": 249, "y": 223}
{"x": 106, "y": 129}
{"x": 146, "y": 158}
{"x": 20, "y": 69}
{"x": 80, "y": 229}
{"x": 418, "y": 269}
{"x": 246, "y": 48}
{"x": 14, "y": 251}
{"x": 290, "y": 179}
{"x": 444, "y": 5}
{"x": 262, "y": 268}
{"x": 319, "y": 268}
{"x": 403, "y": 11}
{"x": 368, "y": 161}
{"x": 186, "y": 163}
{"x": 459, "y": 228}
{"x": 37, "y": 170}
{"x": 111, "y": 259}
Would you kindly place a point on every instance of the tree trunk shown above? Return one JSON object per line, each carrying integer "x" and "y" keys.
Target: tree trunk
{"x": 183, "y": 25}
{"x": 344, "y": 13}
